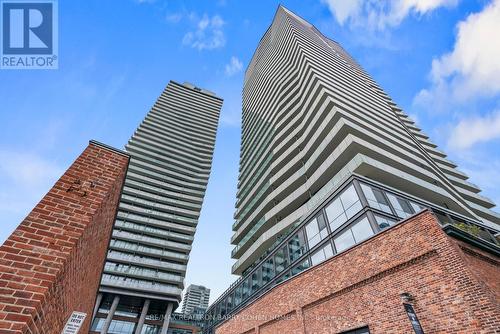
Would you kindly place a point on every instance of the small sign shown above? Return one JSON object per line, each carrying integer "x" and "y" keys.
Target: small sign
{"x": 413, "y": 319}
{"x": 74, "y": 323}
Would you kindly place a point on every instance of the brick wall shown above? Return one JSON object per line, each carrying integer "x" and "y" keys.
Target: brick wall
{"x": 453, "y": 291}
{"x": 484, "y": 266}
{"x": 51, "y": 264}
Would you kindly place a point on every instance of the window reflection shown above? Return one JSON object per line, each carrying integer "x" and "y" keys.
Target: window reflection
{"x": 322, "y": 254}
{"x": 283, "y": 277}
{"x": 354, "y": 234}
{"x": 296, "y": 246}
{"x": 237, "y": 295}
{"x": 376, "y": 198}
{"x": 256, "y": 280}
{"x": 281, "y": 260}
{"x": 343, "y": 208}
{"x": 117, "y": 327}
{"x": 384, "y": 222}
{"x": 300, "y": 267}
{"x": 401, "y": 206}
{"x": 416, "y": 207}
{"x": 362, "y": 230}
{"x": 223, "y": 308}
{"x": 267, "y": 271}
{"x": 246, "y": 288}
{"x": 150, "y": 329}
{"x": 344, "y": 240}
{"x": 229, "y": 302}
{"x": 316, "y": 231}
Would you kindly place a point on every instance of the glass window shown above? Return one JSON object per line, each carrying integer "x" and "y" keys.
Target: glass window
{"x": 283, "y": 277}
{"x": 376, "y": 198}
{"x": 217, "y": 309}
{"x": 150, "y": 329}
{"x": 416, "y": 207}
{"x": 316, "y": 231}
{"x": 121, "y": 327}
{"x": 343, "y": 208}
{"x": 246, "y": 288}
{"x": 350, "y": 201}
{"x": 296, "y": 246}
{"x": 267, "y": 271}
{"x": 362, "y": 230}
{"x": 335, "y": 213}
{"x": 401, "y": 205}
{"x": 300, "y": 267}
{"x": 384, "y": 222}
{"x": 237, "y": 295}
{"x": 344, "y": 240}
{"x": 229, "y": 304}
{"x": 126, "y": 309}
{"x": 255, "y": 280}
{"x": 98, "y": 324}
{"x": 358, "y": 232}
{"x": 281, "y": 260}
{"x": 322, "y": 254}
{"x": 223, "y": 307}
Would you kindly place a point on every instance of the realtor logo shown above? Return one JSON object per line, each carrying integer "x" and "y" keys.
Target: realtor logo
{"x": 29, "y": 34}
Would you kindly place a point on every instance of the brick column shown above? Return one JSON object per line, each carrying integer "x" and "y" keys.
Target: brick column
{"x": 51, "y": 264}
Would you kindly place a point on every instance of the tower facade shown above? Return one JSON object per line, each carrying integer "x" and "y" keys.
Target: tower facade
{"x": 338, "y": 192}
{"x": 171, "y": 155}
{"x": 312, "y": 117}
{"x": 196, "y": 299}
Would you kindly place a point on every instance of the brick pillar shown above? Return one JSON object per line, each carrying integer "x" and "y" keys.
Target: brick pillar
{"x": 51, "y": 264}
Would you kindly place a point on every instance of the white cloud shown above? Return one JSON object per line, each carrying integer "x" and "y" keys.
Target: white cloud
{"x": 471, "y": 131}
{"x": 343, "y": 10}
{"x": 208, "y": 34}
{"x": 27, "y": 170}
{"x": 174, "y": 17}
{"x": 379, "y": 14}
{"x": 467, "y": 75}
{"x": 472, "y": 69}
{"x": 235, "y": 66}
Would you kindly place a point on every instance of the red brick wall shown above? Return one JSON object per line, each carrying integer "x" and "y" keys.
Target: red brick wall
{"x": 51, "y": 264}
{"x": 362, "y": 287}
{"x": 485, "y": 267}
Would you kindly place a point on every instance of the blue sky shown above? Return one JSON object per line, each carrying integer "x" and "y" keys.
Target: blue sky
{"x": 438, "y": 59}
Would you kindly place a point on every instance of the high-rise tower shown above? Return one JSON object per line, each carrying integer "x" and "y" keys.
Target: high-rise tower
{"x": 311, "y": 117}
{"x": 195, "y": 299}
{"x": 333, "y": 172}
{"x": 171, "y": 156}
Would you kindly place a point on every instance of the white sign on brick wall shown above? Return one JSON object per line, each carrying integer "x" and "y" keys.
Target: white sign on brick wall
{"x": 74, "y": 323}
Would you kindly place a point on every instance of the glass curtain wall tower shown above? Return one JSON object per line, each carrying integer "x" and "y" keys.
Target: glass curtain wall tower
{"x": 312, "y": 118}
{"x": 171, "y": 157}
